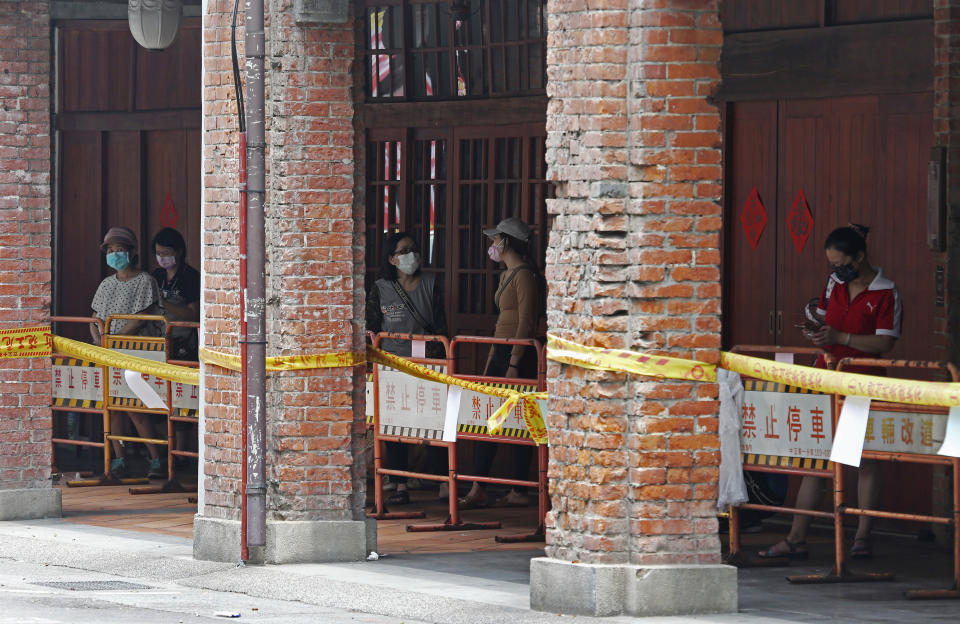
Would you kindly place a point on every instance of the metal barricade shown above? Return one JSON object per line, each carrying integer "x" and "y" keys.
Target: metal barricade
{"x": 78, "y": 387}
{"x": 119, "y": 398}
{"x": 763, "y": 451}
{"x": 402, "y": 417}
{"x": 929, "y": 422}
{"x": 473, "y": 426}
{"x": 183, "y": 406}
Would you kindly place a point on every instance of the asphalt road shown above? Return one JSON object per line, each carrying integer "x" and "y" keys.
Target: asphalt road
{"x": 91, "y": 597}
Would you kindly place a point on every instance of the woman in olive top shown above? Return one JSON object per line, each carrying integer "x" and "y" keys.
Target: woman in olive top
{"x": 519, "y": 299}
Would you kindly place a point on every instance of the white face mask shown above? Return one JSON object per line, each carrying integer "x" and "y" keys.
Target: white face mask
{"x": 409, "y": 263}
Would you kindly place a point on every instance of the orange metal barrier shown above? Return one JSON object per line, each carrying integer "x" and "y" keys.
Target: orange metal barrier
{"x": 380, "y": 437}
{"x": 114, "y": 403}
{"x": 841, "y": 573}
{"x": 815, "y": 469}
{"x": 175, "y": 414}
{"x": 67, "y": 398}
{"x": 506, "y": 438}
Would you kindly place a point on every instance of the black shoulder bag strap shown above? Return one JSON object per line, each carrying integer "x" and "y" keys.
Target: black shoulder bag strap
{"x": 417, "y": 316}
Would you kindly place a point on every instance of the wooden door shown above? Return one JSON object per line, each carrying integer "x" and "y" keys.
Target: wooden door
{"x": 751, "y": 157}
{"x": 855, "y": 159}
{"x": 128, "y": 125}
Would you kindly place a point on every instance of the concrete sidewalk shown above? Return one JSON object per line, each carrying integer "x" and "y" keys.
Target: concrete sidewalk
{"x": 455, "y": 587}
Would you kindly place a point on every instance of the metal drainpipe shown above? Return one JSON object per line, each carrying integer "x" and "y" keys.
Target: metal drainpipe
{"x": 255, "y": 297}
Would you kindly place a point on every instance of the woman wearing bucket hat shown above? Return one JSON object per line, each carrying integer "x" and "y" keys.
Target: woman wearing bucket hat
{"x": 519, "y": 298}
{"x": 129, "y": 290}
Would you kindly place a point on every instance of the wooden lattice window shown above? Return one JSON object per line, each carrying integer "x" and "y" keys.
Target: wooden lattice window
{"x": 421, "y": 50}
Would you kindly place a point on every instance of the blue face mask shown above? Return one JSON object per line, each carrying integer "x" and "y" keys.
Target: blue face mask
{"x": 118, "y": 260}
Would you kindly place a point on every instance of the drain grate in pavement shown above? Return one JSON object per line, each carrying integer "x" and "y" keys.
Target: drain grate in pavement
{"x": 93, "y": 585}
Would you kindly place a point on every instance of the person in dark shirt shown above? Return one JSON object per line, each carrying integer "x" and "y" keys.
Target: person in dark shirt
{"x": 179, "y": 285}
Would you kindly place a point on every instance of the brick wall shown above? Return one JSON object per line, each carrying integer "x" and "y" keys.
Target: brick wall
{"x": 25, "y": 420}
{"x": 946, "y": 87}
{"x": 633, "y": 262}
{"x": 314, "y": 272}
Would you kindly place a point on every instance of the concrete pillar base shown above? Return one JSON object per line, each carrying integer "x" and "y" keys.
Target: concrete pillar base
{"x": 310, "y": 541}
{"x": 215, "y": 539}
{"x": 604, "y": 590}
{"x": 30, "y": 504}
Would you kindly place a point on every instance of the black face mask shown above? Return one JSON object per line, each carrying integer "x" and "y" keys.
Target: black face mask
{"x": 846, "y": 273}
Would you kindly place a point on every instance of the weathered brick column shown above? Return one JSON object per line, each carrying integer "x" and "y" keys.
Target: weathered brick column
{"x": 315, "y": 428}
{"x": 25, "y": 273}
{"x": 634, "y": 147}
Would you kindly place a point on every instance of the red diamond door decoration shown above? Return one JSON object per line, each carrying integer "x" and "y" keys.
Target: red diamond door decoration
{"x": 168, "y": 214}
{"x": 800, "y": 221}
{"x": 753, "y": 218}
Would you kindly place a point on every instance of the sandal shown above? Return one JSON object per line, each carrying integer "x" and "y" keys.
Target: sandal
{"x": 402, "y": 497}
{"x": 861, "y": 549}
{"x": 792, "y": 552}
{"x": 475, "y": 502}
{"x": 507, "y": 501}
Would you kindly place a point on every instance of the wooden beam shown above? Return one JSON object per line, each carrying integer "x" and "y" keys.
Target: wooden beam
{"x": 492, "y": 111}
{"x": 890, "y": 57}
{"x": 150, "y": 120}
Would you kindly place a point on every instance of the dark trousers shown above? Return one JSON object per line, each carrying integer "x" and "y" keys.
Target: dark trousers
{"x": 396, "y": 459}
{"x": 485, "y": 452}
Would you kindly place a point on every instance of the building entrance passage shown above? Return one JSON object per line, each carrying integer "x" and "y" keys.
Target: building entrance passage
{"x": 128, "y": 153}
{"x": 797, "y": 169}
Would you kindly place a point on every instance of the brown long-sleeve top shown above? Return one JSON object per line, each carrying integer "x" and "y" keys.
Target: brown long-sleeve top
{"x": 519, "y": 302}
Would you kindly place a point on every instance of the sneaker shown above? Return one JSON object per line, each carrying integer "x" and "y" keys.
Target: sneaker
{"x": 118, "y": 467}
{"x": 156, "y": 470}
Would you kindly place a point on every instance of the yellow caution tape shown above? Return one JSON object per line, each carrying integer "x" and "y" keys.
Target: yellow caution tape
{"x": 26, "y": 342}
{"x": 106, "y": 357}
{"x": 39, "y": 342}
{"x": 909, "y": 391}
{"x": 289, "y": 362}
{"x": 531, "y": 411}
{"x": 622, "y": 360}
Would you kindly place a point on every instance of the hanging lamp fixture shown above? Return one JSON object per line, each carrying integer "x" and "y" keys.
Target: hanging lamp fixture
{"x": 154, "y": 23}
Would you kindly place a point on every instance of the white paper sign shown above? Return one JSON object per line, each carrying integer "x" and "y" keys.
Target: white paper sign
{"x": 454, "y": 393}
{"x": 370, "y": 399}
{"x": 851, "y": 429}
{"x": 185, "y": 396}
{"x": 410, "y": 406}
{"x": 143, "y": 390}
{"x": 951, "y": 439}
{"x": 83, "y": 383}
{"x": 786, "y": 424}
{"x": 477, "y": 407}
{"x": 418, "y": 349}
{"x": 918, "y": 433}
{"x": 786, "y": 358}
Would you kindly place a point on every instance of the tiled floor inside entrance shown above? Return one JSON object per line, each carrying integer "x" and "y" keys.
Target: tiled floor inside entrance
{"x": 172, "y": 514}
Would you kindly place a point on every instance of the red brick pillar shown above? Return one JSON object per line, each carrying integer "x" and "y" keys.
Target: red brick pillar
{"x": 634, "y": 263}
{"x": 946, "y": 89}
{"x": 315, "y": 423}
{"x": 25, "y": 209}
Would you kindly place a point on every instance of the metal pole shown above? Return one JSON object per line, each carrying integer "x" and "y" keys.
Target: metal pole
{"x": 255, "y": 297}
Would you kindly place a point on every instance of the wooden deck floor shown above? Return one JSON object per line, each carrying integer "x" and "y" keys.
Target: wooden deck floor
{"x": 172, "y": 514}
